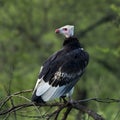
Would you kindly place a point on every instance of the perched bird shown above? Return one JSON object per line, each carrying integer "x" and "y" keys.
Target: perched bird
{"x": 62, "y": 70}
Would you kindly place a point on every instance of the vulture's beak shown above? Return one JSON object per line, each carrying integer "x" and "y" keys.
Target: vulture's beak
{"x": 57, "y": 31}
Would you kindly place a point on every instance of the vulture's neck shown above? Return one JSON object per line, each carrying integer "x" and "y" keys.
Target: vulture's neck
{"x": 71, "y": 42}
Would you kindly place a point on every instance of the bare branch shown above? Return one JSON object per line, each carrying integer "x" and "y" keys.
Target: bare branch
{"x": 90, "y": 112}
{"x": 56, "y": 113}
{"x": 61, "y": 106}
{"x": 105, "y": 100}
{"x": 3, "y": 102}
{"x": 58, "y": 106}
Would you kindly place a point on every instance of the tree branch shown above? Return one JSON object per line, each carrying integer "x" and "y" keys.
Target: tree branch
{"x": 57, "y": 107}
{"x": 3, "y": 102}
{"x": 105, "y": 100}
{"x": 90, "y": 112}
{"x": 75, "y": 105}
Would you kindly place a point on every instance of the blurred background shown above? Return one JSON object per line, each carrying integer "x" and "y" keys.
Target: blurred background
{"x": 27, "y": 39}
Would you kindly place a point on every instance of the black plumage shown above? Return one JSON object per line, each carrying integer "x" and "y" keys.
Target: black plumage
{"x": 61, "y": 71}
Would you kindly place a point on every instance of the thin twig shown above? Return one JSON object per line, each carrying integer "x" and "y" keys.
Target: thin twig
{"x": 30, "y": 116}
{"x": 60, "y": 106}
{"x": 105, "y": 100}
{"x": 56, "y": 112}
{"x": 6, "y": 117}
{"x": 59, "y": 110}
{"x": 9, "y": 97}
{"x": 66, "y": 113}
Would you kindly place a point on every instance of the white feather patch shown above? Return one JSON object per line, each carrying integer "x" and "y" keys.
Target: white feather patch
{"x": 53, "y": 92}
{"x": 40, "y": 69}
{"x": 59, "y": 92}
{"x": 38, "y": 81}
{"x": 82, "y": 48}
{"x": 48, "y": 95}
{"x": 41, "y": 87}
{"x": 56, "y": 92}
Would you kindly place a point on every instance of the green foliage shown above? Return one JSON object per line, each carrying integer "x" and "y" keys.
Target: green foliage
{"x": 27, "y": 38}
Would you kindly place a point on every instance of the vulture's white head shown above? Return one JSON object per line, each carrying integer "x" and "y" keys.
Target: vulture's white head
{"x": 67, "y": 30}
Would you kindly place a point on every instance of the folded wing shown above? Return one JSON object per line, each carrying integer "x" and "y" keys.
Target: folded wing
{"x": 59, "y": 74}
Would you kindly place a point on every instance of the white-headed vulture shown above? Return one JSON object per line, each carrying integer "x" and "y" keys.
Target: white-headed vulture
{"x": 61, "y": 71}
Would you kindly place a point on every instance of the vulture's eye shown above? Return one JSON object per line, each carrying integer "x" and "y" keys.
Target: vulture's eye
{"x": 65, "y": 29}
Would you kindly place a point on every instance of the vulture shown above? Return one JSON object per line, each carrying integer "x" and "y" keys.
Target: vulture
{"x": 61, "y": 71}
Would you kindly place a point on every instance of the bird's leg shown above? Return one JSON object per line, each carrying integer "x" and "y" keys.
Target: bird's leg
{"x": 63, "y": 98}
